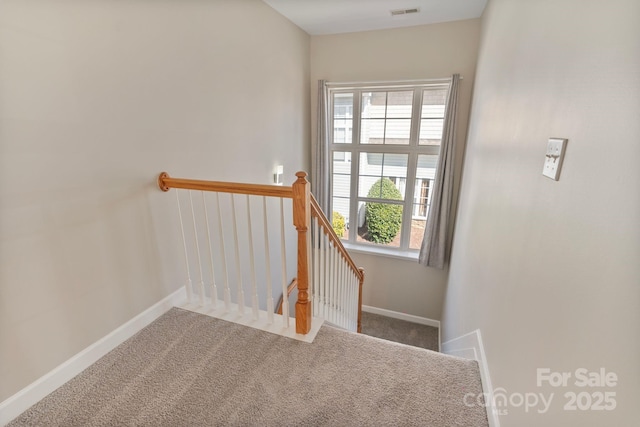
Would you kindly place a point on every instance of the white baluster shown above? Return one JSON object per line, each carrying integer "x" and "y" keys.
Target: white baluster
{"x": 267, "y": 257}
{"x": 316, "y": 266}
{"x": 329, "y": 279}
{"x": 354, "y": 302}
{"x": 326, "y": 269}
{"x": 322, "y": 269}
{"x": 237, "y": 253}
{"x": 319, "y": 281}
{"x": 199, "y": 261}
{"x": 350, "y": 301}
{"x": 345, "y": 295}
{"x": 311, "y": 284}
{"x": 347, "y": 290}
{"x": 223, "y": 254}
{"x": 283, "y": 256}
{"x": 336, "y": 283}
{"x": 339, "y": 288}
{"x": 187, "y": 285}
{"x": 213, "y": 287}
{"x": 334, "y": 275}
{"x": 252, "y": 263}
{"x": 336, "y": 304}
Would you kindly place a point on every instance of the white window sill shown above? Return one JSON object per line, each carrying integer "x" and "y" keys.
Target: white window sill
{"x": 382, "y": 251}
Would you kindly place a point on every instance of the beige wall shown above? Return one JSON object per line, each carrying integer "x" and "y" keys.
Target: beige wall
{"x": 548, "y": 270}
{"x": 98, "y": 97}
{"x": 401, "y": 285}
{"x": 421, "y": 52}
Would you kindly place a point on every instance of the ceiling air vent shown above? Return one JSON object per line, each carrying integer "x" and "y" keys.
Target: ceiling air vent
{"x": 404, "y": 11}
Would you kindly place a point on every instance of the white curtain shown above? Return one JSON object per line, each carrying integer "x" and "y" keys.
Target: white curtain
{"x": 434, "y": 251}
{"x": 320, "y": 169}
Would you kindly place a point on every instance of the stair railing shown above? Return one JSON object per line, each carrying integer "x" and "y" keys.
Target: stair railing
{"x": 337, "y": 282}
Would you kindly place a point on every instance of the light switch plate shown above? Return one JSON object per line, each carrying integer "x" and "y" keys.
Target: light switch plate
{"x": 553, "y": 159}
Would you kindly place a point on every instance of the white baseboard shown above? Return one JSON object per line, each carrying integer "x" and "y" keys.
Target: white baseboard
{"x": 36, "y": 391}
{"x": 261, "y": 323}
{"x": 470, "y": 346}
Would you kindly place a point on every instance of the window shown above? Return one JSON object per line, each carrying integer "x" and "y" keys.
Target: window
{"x": 384, "y": 148}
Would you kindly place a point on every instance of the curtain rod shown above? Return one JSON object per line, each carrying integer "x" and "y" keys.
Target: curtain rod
{"x": 391, "y": 83}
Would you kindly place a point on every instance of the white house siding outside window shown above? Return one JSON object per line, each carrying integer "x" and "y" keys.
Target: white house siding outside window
{"x": 385, "y": 132}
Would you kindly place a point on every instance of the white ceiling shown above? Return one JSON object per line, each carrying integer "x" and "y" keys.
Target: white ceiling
{"x": 345, "y": 16}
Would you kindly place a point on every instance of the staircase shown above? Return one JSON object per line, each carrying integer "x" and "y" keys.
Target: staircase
{"x": 189, "y": 369}
{"x": 239, "y": 256}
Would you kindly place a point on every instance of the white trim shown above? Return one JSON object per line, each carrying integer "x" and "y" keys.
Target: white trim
{"x": 37, "y": 390}
{"x": 402, "y": 316}
{"x": 470, "y": 346}
{"x": 262, "y": 323}
{"x": 380, "y": 250}
{"x": 392, "y": 84}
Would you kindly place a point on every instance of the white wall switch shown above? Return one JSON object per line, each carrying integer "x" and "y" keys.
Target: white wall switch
{"x": 553, "y": 159}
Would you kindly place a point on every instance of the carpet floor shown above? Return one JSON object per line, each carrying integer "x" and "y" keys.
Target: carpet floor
{"x": 400, "y": 331}
{"x": 187, "y": 369}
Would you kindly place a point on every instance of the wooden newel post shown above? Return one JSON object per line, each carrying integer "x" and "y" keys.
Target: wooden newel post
{"x": 301, "y": 220}
{"x": 360, "y": 300}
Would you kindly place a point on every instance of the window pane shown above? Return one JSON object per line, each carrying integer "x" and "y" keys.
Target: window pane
{"x": 399, "y": 104}
{"x": 382, "y": 175}
{"x": 341, "y": 190}
{"x": 431, "y": 131}
{"x": 342, "y": 118}
{"x": 341, "y": 174}
{"x": 379, "y": 223}
{"x": 343, "y": 105}
{"x": 417, "y": 233}
{"x": 372, "y": 131}
{"x": 434, "y": 99}
{"x": 386, "y": 117}
{"x": 426, "y": 168}
{"x": 397, "y": 131}
{"x": 342, "y": 131}
{"x": 425, "y": 175}
{"x": 422, "y": 198}
{"x": 341, "y": 185}
{"x": 374, "y": 105}
{"x": 432, "y": 117}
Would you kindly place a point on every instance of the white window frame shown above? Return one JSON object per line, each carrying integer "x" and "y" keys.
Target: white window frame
{"x": 413, "y": 149}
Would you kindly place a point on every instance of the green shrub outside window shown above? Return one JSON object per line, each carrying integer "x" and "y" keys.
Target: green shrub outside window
{"x": 383, "y": 219}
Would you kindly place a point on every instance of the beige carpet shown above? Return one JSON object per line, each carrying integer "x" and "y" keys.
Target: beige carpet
{"x": 186, "y": 369}
{"x": 401, "y": 331}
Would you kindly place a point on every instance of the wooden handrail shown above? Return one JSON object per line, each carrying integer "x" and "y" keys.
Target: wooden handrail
{"x": 165, "y": 182}
{"x": 326, "y": 227}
